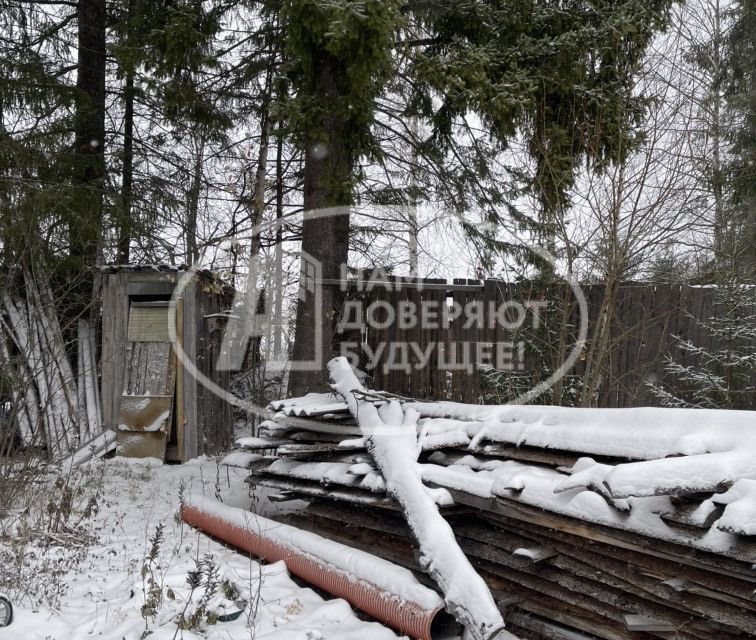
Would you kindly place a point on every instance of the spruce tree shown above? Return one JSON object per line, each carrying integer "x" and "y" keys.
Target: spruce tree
{"x": 338, "y": 60}
{"x": 559, "y": 75}
{"x": 720, "y": 376}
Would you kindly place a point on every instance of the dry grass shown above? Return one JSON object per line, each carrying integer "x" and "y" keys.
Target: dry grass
{"x": 47, "y": 525}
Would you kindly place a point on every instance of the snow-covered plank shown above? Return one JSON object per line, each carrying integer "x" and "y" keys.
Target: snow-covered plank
{"x": 447, "y": 440}
{"x": 323, "y": 472}
{"x": 457, "y": 477}
{"x": 341, "y": 446}
{"x": 546, "y": 457}
{"x": 391, "y": 437}
{"x": 283, "y": 496}
{"x": 534, "y": 554}
{"x": 338, "y": 417}
{"x": 308, "y": 400}
{"x": 94, "y": 448}
{"x": 586, "y": 474}
{"x": 642, "y": 433}
{"x": 733, "y": 561}
{"x": 460, "y": 459}
{"x": 711, "y": 472}
{"x": 536, "y": 488}
{"x": 361, "y": 469}
{"x": 241, "y": 459}
{"x": 253, "y": 444}
{"x": 287, "y": 423}
{"x": 701, "y": 516}
{"x": 740, "y": 508}
{"x": 302, "y": 490}
{"x": 319, "y": 410}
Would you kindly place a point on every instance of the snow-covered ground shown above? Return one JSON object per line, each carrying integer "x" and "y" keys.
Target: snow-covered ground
{"x": 112, "y": 589}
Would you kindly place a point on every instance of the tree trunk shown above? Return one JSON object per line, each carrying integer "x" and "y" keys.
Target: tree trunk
{"x": 564, "y": 314}
{"x": 601, "y": 341}
{"x": 257, "y": 203}
{"x": 722, "y": 240}
{"x": 279, "y": 286}
{"x": 750, "y": 124}
{"x": 412, "y": 249}
{"x": 88, "y": 181}
{"x": 86, "y": 217}
{"x": 256, "y": 213}
{"x": 329, "y": 165}
{"x": 127, "y": 175}
{"x": 600, "y": 344}
{"x": 412, "y": 207}
{"x": 192, "y": 208}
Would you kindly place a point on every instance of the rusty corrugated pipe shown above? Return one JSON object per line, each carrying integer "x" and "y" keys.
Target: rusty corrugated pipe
{"x": 409, "y": 618}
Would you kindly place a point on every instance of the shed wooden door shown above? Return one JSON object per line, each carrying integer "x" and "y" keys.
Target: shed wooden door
{"x": 146, "y": 405}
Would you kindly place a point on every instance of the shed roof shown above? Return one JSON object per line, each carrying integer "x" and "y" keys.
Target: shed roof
{"x": 204, "y": 274}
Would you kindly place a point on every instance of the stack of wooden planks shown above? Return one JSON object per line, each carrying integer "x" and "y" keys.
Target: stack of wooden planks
{"x": 570, "y": 549}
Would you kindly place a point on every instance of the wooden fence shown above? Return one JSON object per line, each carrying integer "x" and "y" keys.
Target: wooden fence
{"x": 427, "y": 359}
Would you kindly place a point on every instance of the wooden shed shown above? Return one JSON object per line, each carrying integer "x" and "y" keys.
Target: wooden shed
{"x": 155, "y": 404}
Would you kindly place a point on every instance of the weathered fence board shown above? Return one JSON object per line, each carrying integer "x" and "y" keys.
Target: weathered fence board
{"x": 645, "y": 319}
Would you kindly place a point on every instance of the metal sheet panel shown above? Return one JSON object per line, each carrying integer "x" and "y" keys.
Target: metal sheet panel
{"x": 135, "y": 444}
{"x": 145, "y": 413}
